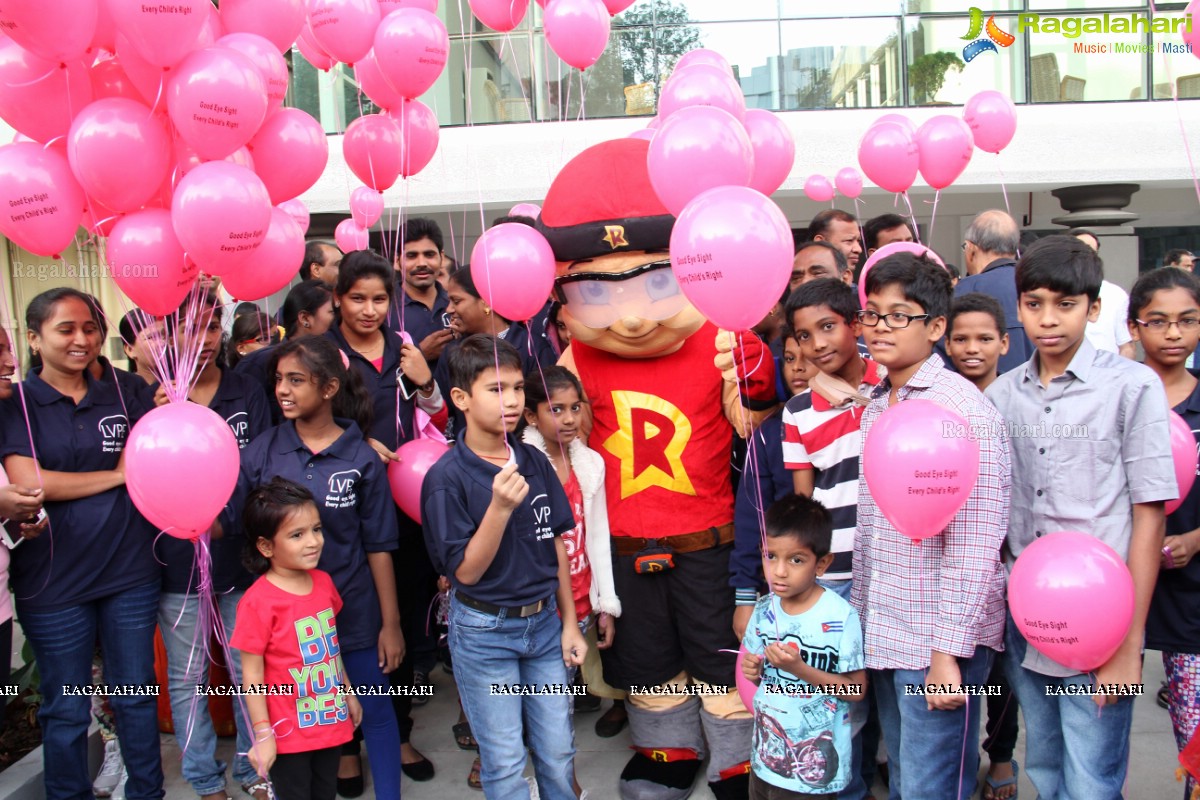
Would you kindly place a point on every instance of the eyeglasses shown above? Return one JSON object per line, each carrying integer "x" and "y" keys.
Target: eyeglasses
{"x": 964, "y": 245}
{"x": 895, "y": 320}
{"x": 599, "y": 299}
{"x": 1160, "y": 325}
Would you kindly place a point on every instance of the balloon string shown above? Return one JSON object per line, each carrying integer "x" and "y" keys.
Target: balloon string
{"x": 912, "y": 217}
{"x": 937, "y": 193}
{"x": 38, "y": 80}
{"x": 1003, "y": 188}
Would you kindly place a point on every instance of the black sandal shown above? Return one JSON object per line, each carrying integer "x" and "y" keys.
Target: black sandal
{"x": 463, "y": 736}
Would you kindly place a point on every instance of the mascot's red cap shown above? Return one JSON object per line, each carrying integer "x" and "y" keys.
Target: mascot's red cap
{"x": 602, "y": 202}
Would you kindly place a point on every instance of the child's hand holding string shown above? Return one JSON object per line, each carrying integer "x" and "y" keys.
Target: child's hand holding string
{"x": 574, "y": 646}
{"x": 752, "y": 667}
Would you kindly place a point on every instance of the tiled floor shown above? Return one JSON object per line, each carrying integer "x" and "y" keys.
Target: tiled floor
{"x": 599, "y": 761}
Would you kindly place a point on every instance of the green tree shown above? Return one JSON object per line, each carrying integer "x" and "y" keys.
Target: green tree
{"x": 653, "y": 36}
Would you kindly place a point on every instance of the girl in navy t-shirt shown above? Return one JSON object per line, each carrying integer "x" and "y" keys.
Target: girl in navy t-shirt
{"x": 321, "y": 446}
{"x": 92, "y": 573}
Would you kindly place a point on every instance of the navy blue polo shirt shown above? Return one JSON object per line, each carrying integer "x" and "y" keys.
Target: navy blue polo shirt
{"x": 539, "y": 353}
{"x": 764, "y": 480}
{"x": 129, "y": 383}
{"x": 418, "y": 320}
{"x": 240, "y": 402}
{"x": 1173, "y": 624}
{"x": 95, "y": 546}
{"x": 454, "y": 497}
{"x": 383, "y": 387}
{"x": 354, "y": 501}
{"x": 256, "y": 365}
{"x": 999, "y": 280}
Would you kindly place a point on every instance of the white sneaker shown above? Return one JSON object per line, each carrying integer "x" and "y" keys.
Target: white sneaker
{"x": 112, "y": 771}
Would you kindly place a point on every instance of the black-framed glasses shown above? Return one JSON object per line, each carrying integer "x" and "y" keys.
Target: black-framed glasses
{"x": 599, "y": 299}
{"x": 1188, "y": 324}
{"x": 896, "y": 320}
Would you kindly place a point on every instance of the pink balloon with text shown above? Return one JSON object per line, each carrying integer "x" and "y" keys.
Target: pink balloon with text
{"x": 146, "y": 261}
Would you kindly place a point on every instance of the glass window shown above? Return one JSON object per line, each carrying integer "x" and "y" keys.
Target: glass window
{"x": 961, "y": 7}
{"x": 487, "y": 79}
{"x": 459, "y": 20}
{"x": 1066, "y": 5}
{"x": 1086, "y": 65}
{"x": 807, "y": 9}
{"x": 304, "y": 93}
{"x": 565, "y": 93}
{"x": 857, "y": 64}
{"x": 946, "y": 69}
{"x": 1173, "y": 62}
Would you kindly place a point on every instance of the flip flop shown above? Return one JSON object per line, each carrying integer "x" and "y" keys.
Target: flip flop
{"x": 473, "y": 779}
{"x": 463, "y": 736}
{"x": 991, "y": 786}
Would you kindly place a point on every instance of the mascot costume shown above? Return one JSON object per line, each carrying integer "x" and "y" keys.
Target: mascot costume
{"x": 663, "y": 418}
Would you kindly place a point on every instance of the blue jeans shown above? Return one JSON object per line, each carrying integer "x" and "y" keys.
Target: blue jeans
{"x": 1073, "y": 748}
{"x": 379, "y": 728}
{"x": 932, "y": 755}
{"x": 63, "y": 642}
{"x": 178, "y": 616}
{"x": 857, "y": 788}
{"x": 491, "y": 650}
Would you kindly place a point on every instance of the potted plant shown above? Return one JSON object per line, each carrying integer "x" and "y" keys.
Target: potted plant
{"x": 928, "y": 72}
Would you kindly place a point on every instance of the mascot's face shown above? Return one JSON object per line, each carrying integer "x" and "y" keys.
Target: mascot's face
{"x": 627, "y": 304}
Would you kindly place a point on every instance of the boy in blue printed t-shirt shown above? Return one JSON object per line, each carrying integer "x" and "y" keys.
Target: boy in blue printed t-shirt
{"x": 811, "y": 640}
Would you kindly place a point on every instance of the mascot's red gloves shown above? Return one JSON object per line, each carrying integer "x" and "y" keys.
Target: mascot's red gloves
{"x": 748, "y": 362}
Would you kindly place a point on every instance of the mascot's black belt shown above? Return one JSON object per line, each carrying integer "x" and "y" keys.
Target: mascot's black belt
{"x": 683, "y": 543}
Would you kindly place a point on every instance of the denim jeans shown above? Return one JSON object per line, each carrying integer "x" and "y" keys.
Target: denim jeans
{"x": 511, "y": 652}
{"x": 1073, "y": 748}
{"x": 932, "y": 755}
{"x": 63, "y": 642}
{"x": 178, "y": 615}
{"x": 857, "y": 788}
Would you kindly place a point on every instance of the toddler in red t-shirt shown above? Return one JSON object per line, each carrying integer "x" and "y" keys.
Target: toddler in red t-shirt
{"x": 291, "y": 660}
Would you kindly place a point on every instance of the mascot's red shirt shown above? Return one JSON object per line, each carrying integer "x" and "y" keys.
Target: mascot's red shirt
{"x": 660, "y": 426}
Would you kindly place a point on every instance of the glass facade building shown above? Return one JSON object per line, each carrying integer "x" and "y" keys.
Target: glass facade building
{"x": 791, "y": 55}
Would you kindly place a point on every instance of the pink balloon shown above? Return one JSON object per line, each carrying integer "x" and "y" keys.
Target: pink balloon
{"x": 105, "y": 37}
{"x": 897, "y": 119}
{"x": 1184, "y": 454}
{"x": 39, "y": 97}
{"x": 1192, "y": 37}
{"x": 297, "y": 211}
{"x": 312, "y": 51}
{"x": 109, "y": 80}
{"x": 220, "y": 212}
{"x": 525, "y": 210}
{"x": 745, "y": 688}
{"x": 345, "y": 29}
{"x": 119, "y": 152}
{"x": 411, "y": 47}
{"x": 1072, "y": 598}
{"x": 266, "y": 58}
{"x": 577, "y": 30}
{"x": 372, "y": 150}
{"x": 891, "y": 250}
{"x": 277, "y": 21}
{"x": 818, "y": 188}
{"x": 148, "y": 79}
{"x": 58, "y": 30}
{"x": 900, "y": 454}
{"x": 992, "y": 118}
{"x": 406, "y": 475}
{"x": 98, "y": 219}
{"x": 274, "y": 263}
{"x": 695, "y": 149}
{"x": 848, "y": 182}
{"x": 374, "y": 85}
{"x": 162, "y": 33}
{"x": 945, "y": 146}
{"x": 351, "y": 236}
{"x": 703, "y": 56}
{"x": 181, "y": 466}
{"x": 642, "y": 133}
{"x": 702, "y": 85}
{"x": 513, "y": 268}
{"x": 43, "y": 204}
{"x": 774, "y": 149}
{"x": 419, "y": 134}
{"x": 290, "y": 152}
{"x": 615, "y": 7}
{"x": 366, "y": 206}
{"x": 147, "y": 263}
{"x": 217, "y": 100}
{"x": 731, "y": 253}
{"x": 500, "y": 15}
{"x": 388, "y": 6}
{"x": 889, "y": 157}
{"x": 187, "y": 159}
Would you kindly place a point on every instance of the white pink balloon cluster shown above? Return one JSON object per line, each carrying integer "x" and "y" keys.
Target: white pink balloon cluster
{"x": 894, "y": 150}
{"x": 712, "y": 163}
{"x": 159, "y": 126}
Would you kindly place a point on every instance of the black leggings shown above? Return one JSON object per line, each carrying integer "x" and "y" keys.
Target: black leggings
{"x": 1001, "y": 724}
{"x": 311, "y": 775}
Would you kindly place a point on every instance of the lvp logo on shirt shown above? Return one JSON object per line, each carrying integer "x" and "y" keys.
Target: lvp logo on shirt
{"x": 113, "y": 430}
{"x": 341, "y": 492}
{"x": 541, "y": 517}
{"x": 239, "y": 423}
